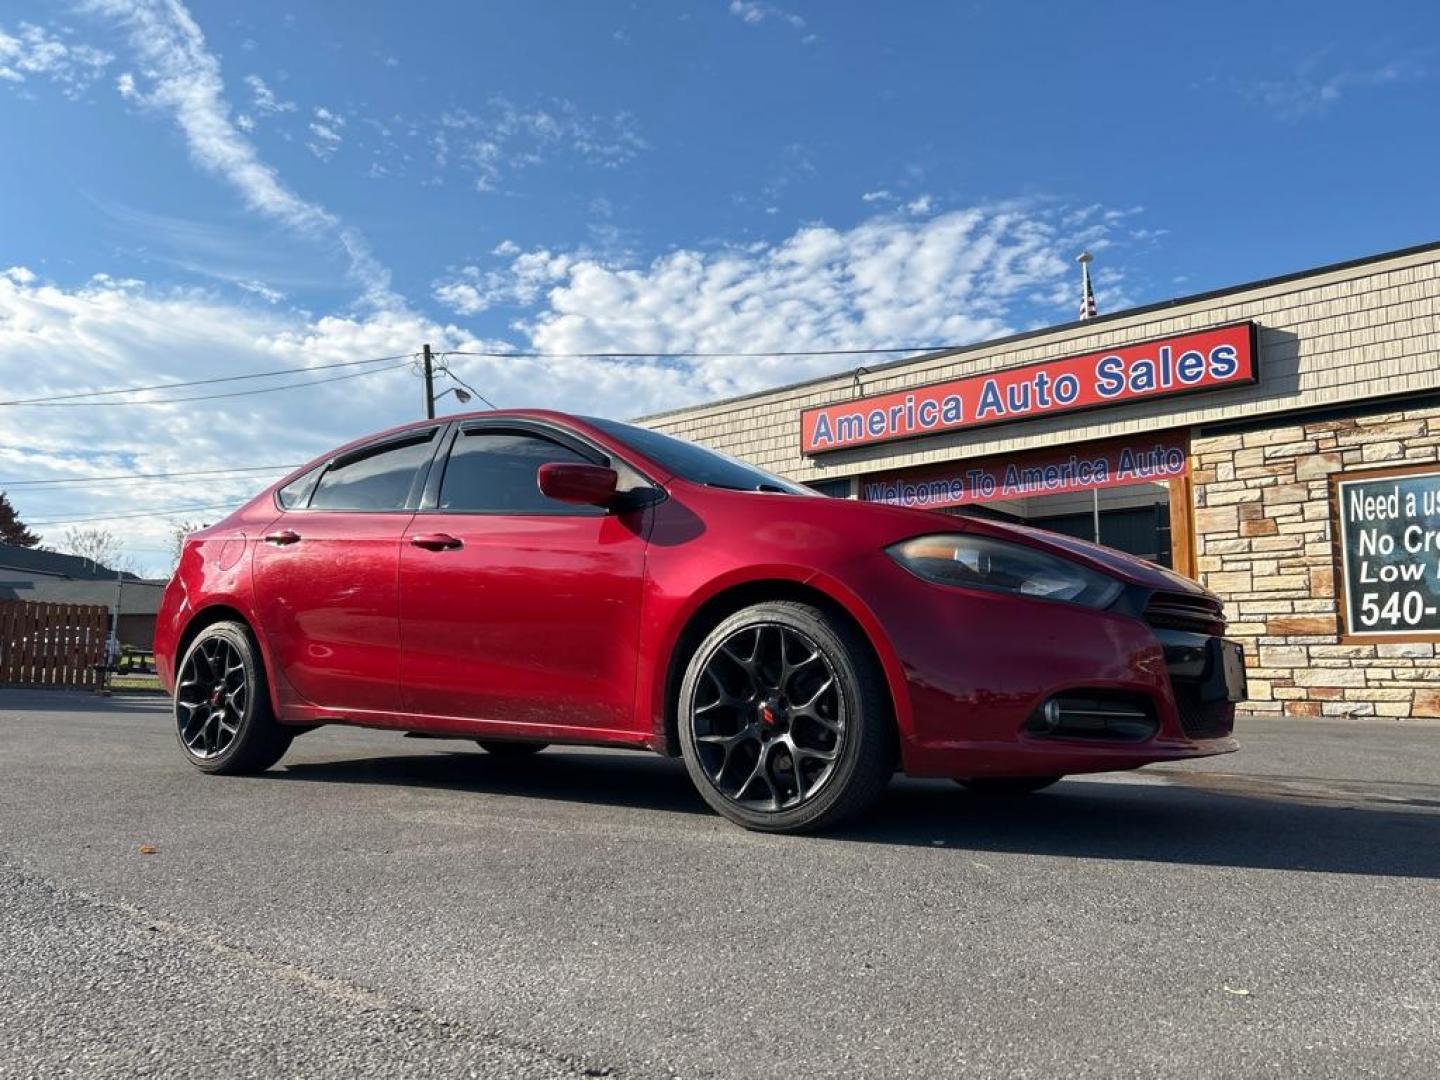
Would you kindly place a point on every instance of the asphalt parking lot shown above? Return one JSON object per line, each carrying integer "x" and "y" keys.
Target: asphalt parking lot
{"x": 382, "y": 906}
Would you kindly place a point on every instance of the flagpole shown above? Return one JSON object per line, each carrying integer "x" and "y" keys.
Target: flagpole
{"x": 1087, "y": 291}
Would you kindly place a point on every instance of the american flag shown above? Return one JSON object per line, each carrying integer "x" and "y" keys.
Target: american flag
{"x": 1087, "y": 298}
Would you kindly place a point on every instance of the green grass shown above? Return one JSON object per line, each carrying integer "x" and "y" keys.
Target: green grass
{"x": 135, "y": 682}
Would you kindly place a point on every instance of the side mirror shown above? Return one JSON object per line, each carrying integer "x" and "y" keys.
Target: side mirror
{"x": 571, "y": 482}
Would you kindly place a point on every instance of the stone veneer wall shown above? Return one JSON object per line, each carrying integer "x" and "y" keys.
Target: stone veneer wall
{"x": 1263, "y": 543}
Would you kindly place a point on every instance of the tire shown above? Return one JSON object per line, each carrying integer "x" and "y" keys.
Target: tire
{"x": 813, "y": 733}
{"x": 223, "y": 719}
{"x": 502, "y": 749}
{"x": 1007, "y": 787}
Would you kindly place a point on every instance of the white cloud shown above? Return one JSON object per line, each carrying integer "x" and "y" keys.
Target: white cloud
{"x": 260, "y": 289}
{"x": 462, "y": 298}
{"x": 879, "y": 195}
{"x": 326, "y": 130}
{"x": 920, "y": 205}
{"x": 955, "y": 277}
{"x": 182, "y": 77}
{"x": 1316, "y": 84}
{"x": 263, "y": 99}
{"x": 753, "y": 12}
{"x": 32, "y": 51}
{"x": 505, "y": 137}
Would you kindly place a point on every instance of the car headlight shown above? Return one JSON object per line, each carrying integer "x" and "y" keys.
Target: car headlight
{"x": 981, "y": 562}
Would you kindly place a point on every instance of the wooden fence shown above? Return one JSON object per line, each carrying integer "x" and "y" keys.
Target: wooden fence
{"x": 53, "y": 645}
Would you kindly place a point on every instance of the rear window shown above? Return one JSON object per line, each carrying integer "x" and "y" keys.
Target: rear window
{"x": 378, "y": 479}
{"x": 296, "y": 494}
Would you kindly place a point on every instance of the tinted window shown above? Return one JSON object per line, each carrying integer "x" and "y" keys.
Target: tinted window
{"x": 296, "y": 494}
{"x": 378, "y": 480}
{"x": 695, "y": 463}
{"x": 500, "y": 471}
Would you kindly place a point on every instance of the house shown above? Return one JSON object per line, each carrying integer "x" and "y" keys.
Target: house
{"x": 49, "y": 577}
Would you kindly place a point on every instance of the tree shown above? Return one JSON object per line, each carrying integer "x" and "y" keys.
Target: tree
{"x": 12, "y": 529}
{"x": 178, "y": 531}
{"x": 100, "y": 546}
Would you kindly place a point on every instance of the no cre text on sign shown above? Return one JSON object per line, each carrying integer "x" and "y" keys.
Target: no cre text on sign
{"x": 1390, "y": 552}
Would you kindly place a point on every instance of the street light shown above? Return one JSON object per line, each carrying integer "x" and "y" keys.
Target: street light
{"x": 461, "y": 396}
{"x": 463, "y": 392}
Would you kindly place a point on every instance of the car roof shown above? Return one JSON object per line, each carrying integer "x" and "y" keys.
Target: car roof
{"x": 566, "y": 420}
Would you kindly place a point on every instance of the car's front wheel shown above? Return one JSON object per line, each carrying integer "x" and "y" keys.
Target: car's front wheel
{"x": 223, "y": 717}
{"x": 784, "y": 719}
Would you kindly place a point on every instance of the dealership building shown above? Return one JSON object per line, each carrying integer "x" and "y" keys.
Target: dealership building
{"x": 1278, "y": 440}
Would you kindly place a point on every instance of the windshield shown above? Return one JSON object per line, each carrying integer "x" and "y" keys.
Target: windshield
{"x": 696, "y": 463}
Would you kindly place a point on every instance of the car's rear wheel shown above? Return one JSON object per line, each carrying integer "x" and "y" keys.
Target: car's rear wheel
{"x": 1005, "y": 787}
{"x": 784, "y": 719}
{"x": 223, "y": 717}
{"x": 500, "y": 748}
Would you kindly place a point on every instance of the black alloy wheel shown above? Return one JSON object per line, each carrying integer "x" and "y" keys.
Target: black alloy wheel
{"x": 783, "y": 719}
{"x": 223, "y": 717}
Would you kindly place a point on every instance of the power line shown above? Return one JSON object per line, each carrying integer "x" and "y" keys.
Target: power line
{"x": 74, "y": 399}
{"x": 696, "y": 355}
{"x": 59, "y": 404}
{"x": 137, "y": 514}
{"x": 49, "y": 399}
{"x": 466, "y": 385}
{"x": 83, "y": 480}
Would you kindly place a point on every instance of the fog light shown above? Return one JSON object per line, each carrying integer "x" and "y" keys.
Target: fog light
{"x": 1085, "y": 716}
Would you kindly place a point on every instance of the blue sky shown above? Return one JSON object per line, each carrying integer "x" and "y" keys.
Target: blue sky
{"x": 219, "y": 188}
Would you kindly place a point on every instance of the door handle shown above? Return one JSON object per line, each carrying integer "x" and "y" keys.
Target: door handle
{"x": 436, "y": 541}
{"x": 283, "y": 537}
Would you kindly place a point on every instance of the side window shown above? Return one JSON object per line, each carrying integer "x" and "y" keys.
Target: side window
{"x": 499, "y": 471}
{"x": 378, "y": 480}
{"x": 296, "y": 494}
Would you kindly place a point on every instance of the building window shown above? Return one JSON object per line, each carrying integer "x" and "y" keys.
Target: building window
{"x": 835, "y": 489}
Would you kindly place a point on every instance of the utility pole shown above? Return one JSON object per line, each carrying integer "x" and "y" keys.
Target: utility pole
{"x": 429, "y": 385}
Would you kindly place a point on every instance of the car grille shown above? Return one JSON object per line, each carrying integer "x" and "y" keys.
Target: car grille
{"x": 1185, "y": 623}
{"x": 1191, "y": 612}
{"x": 1202, "y": 719}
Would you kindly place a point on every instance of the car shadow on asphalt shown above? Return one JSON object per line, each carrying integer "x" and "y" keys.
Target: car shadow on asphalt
{"x": 1255, "y": 825}
{"x": 1253, "y": 822}
{"x": 639, "y": 780}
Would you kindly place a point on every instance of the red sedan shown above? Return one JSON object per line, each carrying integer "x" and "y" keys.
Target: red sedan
{"x": 528, "y": 578}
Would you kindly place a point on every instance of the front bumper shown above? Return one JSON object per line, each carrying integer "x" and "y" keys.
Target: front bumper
{"x": 981, "y": 670}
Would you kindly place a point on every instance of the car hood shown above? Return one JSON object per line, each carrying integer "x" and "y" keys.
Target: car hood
{"x": 1118, "y": 564}
{"x": 886, "y": 524}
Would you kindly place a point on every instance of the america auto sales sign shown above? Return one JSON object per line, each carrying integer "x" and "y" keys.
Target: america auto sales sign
{"x": 1206, "y": 360}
